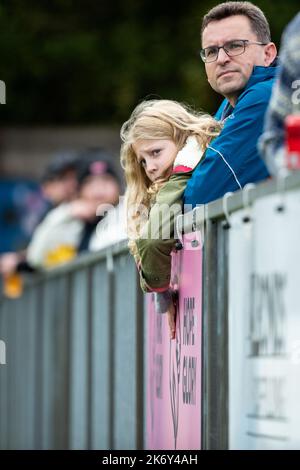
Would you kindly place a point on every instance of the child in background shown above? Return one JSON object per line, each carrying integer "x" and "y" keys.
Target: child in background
{"x": 163, "y": 141}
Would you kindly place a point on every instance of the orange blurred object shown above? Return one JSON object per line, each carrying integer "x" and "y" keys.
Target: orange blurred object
{"x": 13, "y": 285}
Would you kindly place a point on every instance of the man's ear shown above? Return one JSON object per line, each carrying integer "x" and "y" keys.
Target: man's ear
{"x": 270, "y": 53}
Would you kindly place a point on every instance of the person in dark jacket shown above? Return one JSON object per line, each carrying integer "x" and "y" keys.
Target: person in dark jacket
{"x": 240, "y": 63}
{"x": 285, "y": 99}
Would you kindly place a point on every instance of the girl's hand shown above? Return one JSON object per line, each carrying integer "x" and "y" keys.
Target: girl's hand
{"x": 83, "y": 209}
{"x": 9, "y": 263}
{"x": 171, "y": 312}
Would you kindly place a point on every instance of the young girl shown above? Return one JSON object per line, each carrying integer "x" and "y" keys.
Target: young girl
{"x": 163, "y": 141}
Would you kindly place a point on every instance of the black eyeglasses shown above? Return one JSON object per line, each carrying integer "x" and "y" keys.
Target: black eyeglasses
{"x": 232, "y": 49}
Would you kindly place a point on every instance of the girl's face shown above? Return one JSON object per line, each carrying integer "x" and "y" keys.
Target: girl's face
{"x": 156, "y": 157}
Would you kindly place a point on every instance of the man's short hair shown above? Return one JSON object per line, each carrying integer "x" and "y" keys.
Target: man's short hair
{"x": 258, "y": 21}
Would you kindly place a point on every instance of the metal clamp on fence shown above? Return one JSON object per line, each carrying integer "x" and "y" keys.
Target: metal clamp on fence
{"x": 198, "y": 216}
{"x": 198, "y": 220}
{"x": 246, "y": 201}
{"x": 179, "y": 224}
{"x": 109, "y": 261}
{"x": 281, "y": 187}
{"x": 226, "y": 223}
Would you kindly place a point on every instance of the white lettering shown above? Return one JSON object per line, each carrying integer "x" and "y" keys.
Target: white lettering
{"x": 2, "y": 353}
{"x": 267, "y": 326}
{"x": 296, "y": 94}
{"x": 2, "y": 92}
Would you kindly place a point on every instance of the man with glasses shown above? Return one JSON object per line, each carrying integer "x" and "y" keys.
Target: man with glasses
{"x": 239, "y": 60}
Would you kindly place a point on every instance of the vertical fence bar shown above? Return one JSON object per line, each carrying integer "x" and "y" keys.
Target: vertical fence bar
{"x": 222, "y": 338}
{"x": 101, "y": 367}
{"x": 39, "y": 366}
{"x": 11, "y": 374}
{"x": 90, "y": 356}
{"x": 22, "y": 361}
{"x": 215, "y": 336}
{"x": 47, "y": 371}
{"x": 79, "y": 362}
{"x": 26, "y": 359}
{"x": 111, "y": 353}
{"x": 55, "y": 370}
{"x": 125, "y": 350}
{"x": 210, "y": 387}
{"x": 140, "y": 352}
{"x": 65, "y": 351}
{"x": 4, "y": 392}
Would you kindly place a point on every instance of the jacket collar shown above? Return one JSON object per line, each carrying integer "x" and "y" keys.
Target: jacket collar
{"x": 259, "y": 74}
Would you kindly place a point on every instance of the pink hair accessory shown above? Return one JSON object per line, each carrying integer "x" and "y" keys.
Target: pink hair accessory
{"x": 98, "y": 168}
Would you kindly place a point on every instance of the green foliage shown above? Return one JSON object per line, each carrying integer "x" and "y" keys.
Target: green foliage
{"x": 92, "y": 61}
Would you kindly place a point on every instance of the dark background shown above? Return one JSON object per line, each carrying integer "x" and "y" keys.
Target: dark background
{"x": 91, "y": 61}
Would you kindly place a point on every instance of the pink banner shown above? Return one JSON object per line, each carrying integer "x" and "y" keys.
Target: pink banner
{"x": 174, "y": 366}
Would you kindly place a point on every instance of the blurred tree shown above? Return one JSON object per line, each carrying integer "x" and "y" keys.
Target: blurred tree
{"x": 76, "y": 61}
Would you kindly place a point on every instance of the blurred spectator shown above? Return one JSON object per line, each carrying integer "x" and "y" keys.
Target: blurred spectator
{"x": 285, "y": 98}
{"x": 73, "y": 227}
{"x": 59, "y": 183}
{"x": 21, "y": 206}
{"x": 100, "y": 188}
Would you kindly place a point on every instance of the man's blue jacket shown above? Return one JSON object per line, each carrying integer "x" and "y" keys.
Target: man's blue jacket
{"x": 232, "y": 159}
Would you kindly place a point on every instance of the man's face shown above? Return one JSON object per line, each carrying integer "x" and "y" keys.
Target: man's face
{"x": 229, "y": 75}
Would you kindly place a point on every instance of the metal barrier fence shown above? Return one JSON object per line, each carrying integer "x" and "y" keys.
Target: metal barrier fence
{"x": 73, "y": 377}
{"x": 75, "y": 346}
{"x": 251, "y": 332}
{"x": 250, "y": 326}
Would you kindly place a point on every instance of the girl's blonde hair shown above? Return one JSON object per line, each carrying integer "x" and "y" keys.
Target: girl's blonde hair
{"x": 157, "y": 120}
